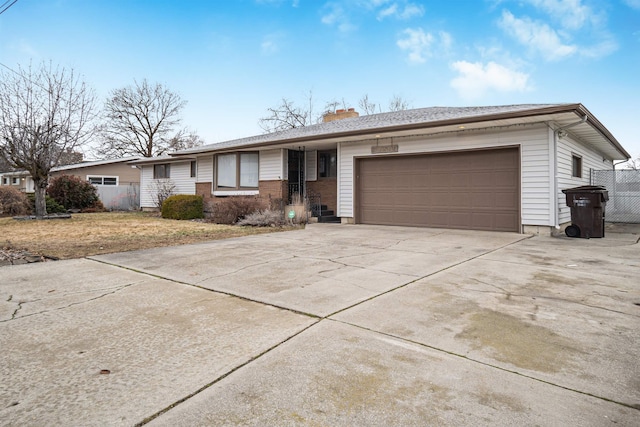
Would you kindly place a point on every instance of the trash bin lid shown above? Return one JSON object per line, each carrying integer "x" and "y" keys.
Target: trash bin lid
{"x": 586, "y": 189}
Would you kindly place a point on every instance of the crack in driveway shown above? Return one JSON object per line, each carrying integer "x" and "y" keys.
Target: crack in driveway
{"x": 22, "y": 303}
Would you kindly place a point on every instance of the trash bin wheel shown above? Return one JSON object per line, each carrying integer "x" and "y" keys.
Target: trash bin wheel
{"x": 572, "y": 231}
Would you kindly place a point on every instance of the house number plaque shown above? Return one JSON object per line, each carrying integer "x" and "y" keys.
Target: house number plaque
{"x": 379, "y": 149}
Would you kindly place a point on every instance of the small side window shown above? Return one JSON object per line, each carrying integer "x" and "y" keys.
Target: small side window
{"x": 194, "y": 169}
{"x": 161, "y": 171}
{"x": 576, "y": 166}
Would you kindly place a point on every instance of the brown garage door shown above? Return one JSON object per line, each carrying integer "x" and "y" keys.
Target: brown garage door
{"x": 477, "y": 190}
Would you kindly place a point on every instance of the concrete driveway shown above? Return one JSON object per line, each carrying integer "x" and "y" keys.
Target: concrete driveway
{"x": 331, "y": 325}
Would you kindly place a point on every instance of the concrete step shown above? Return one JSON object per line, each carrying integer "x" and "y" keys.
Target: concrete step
{"x": 329, "y": 219}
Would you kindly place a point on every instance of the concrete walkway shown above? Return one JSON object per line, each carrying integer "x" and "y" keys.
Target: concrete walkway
{"x": 331, "y": 325}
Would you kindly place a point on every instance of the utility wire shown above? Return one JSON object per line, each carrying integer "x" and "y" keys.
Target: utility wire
{"x": 24, "y": 76}
{"x": 6, "y": 8}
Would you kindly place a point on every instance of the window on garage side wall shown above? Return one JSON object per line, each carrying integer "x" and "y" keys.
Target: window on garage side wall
{"x": 162, "y": 171}
{"x": 235, "y": 171}
{"x": 576, "y": 166}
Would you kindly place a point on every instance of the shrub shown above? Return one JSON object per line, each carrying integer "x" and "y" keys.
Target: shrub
{"x": 301, "y": 210}
{"x": 161, "y": 190}
{"x": 183, "y": 206}
{"x": 52, "y": 206}
{"x": 231, "y": 209}
{"x": 13, "y": 201}
{"x": 266, "y": 218}
{"x": 72, "y": 192}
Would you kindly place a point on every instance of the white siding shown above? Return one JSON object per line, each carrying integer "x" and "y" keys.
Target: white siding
{"x": 179, "y": 176}
{"x": 271, "y": 165}
{"x": 205, "y": 169}
{"x": 311, "y": 165}
{"x": 534, "y": 150}
{"x": 146, "y": 177}
{"x": 567, "y": 147}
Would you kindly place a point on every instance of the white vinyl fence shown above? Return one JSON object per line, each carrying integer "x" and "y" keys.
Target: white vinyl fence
{"x": 120, "y": 197}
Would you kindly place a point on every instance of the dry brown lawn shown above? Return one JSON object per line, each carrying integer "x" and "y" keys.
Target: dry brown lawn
{"x": 101, "y": 233}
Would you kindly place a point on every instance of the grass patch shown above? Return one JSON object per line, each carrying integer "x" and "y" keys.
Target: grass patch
{"x": 102, "y": 233}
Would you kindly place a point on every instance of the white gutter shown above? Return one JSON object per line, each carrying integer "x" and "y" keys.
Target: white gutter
{"x": 560, "y": 133}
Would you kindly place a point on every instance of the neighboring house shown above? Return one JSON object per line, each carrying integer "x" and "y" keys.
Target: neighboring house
{"x": 19, "y": 179}
{"x": 115, "y": 172}
{"x": 117, "y": 181}
{"x": 484, "y": 168}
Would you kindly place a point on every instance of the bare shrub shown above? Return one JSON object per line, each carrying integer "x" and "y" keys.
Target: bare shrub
{"x": 231, "y": 209}
{"x": 301, "y": 210}
{"x": 13, "y": 201}
{"x": 161, "y": 190}
{"x": 266, "y": 218}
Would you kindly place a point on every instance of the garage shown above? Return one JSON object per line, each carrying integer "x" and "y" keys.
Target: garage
{"x": 474, "y": 190}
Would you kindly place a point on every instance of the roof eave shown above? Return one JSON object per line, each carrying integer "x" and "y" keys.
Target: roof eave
{"x": 578, "y": 109}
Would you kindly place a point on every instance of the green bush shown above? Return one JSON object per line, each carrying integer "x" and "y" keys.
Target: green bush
{"x": 232, "y": 209}
{"x": 183, "y": 206}
{"x": 73, "y": 193}
{"x": 52, "y": 206}
{"x": 13, "y": 201}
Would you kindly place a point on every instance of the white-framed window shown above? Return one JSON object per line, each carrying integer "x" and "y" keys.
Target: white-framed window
{"x": 194, "y": 169}
{"x": 5, "y": 180}
{"x": 237, "y": 171}
{"x": 15, "y": 180}
{"x": 102, "y": 180}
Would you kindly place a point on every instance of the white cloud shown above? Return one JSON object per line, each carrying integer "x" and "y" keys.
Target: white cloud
{"x": 634, "y": 4}
{"x": 570, "y": 14}
{"x": 390, "y": 11}
{"x": 537, "y": 36}
{"x": 420, "y": 45}
{"x": 476, "y": 79}
{"x": 407, "y": 11}
{"x": 271, "y": 43}
{"x": 336, "y": 16}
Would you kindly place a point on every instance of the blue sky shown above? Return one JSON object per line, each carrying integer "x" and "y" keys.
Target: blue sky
{"x": 231, "y": 60}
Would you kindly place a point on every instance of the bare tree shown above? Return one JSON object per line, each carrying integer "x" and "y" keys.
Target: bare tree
{"x": 141, "y": 120}
{"x": 185, "y": 140}
{"x": 397, "y": 103}
{"x": 368, "y": 107}
{"x": 44, "y": 113}
{"x": 285, "y": 116}
{"x": 633, "y": 164}
{"x": 288, "y": 115}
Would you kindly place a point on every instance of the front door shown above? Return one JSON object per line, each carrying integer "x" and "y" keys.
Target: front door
{"x": 296, "y": 172}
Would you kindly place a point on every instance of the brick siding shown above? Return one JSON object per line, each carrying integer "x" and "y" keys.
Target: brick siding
{"x": 328, "y": 189}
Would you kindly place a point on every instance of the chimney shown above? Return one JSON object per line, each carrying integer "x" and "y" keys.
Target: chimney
{"x": 339, "y": 115}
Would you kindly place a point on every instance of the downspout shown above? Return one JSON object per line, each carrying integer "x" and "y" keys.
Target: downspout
{"x": 560, "y": 133}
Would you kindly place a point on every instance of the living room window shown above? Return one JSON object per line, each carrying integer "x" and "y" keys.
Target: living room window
{"x": 237, "y": 171}
{"x": 576, "y": 166}
{"x": 327, "y": 164}
{"x": 161, "y": 171}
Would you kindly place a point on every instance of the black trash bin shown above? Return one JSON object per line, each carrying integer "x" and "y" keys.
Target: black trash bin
{"x": 587, "y": 205}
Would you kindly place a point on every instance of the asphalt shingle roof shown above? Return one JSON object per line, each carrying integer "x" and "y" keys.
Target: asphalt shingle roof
{"x": 370, "y": 123}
